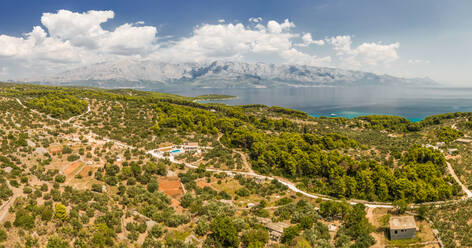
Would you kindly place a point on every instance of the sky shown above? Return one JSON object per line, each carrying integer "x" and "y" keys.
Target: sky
{"x": 402, "y": 38}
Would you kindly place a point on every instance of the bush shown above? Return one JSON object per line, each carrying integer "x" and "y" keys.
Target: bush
{"x": 255, "y": 238}
{"x": 60, "y": 211}
{"x": 289, "y": 234}
{"x": 72, "y": 157}
{"x": 24, "y": 219}
{"x": 3, "y": 235}
{"x": 97, "y": 187}
{"x": 224, "y": 232}
{"x": 27, "y": 190}
{"x": 243, "y": 192}
{"x": 60, "y": 178}
{"x": 156, "y": 231}
{"x": 57, "y": 242}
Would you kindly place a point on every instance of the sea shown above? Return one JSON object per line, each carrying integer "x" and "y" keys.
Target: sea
{"x": 413, "y": 103}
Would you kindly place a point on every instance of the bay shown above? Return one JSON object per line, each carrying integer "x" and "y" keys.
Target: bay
{"x": 412, "y": 103}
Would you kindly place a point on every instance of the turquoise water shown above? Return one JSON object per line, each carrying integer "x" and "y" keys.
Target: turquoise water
{"x": 351, "y": 115}
{"x": 174, "y": 151}
{"x": 412, "y": 103}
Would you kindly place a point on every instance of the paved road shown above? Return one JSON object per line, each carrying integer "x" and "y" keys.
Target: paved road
{"x": 6, "y": 206}
{"x": 290, "y": 185}
{"x": 453, "y": 174}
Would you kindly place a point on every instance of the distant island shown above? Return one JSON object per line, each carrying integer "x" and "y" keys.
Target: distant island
{"x": 211, "y": 97}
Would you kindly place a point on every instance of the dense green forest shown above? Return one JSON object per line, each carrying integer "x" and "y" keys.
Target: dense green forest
{"x": 59, "y": 105}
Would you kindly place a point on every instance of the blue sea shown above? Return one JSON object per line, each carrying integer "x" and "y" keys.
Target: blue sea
{"x": 412, "y": 103}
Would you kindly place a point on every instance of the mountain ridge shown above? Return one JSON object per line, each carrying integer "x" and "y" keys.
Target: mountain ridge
{"x": 216, "y": 74}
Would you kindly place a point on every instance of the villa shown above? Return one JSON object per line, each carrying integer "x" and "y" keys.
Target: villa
{"x": 275, "y": 229}
{"x": 191, "y": 146}
{"x": 402, "y": 227}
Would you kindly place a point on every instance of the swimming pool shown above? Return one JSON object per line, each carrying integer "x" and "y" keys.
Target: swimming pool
{"x": 175, "y": 151}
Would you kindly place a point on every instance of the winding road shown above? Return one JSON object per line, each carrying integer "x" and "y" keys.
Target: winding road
{"x": 289, "y": 185}
{"x": 468, "y": 194}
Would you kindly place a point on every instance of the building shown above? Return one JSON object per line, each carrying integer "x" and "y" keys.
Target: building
{"x": 402, "y": 227}
{"x": 440, "y": 144}
{"x": 275, "y": 229}
{"x": 452, "y": 151}
{"x": 467, "y": 141}
{"x": 191, "y": 146}
{"x": 250, "y": 205}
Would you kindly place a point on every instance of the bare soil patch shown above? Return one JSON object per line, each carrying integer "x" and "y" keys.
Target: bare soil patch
{"x": 69, "y": 171}
{"x": 171, "y": 186}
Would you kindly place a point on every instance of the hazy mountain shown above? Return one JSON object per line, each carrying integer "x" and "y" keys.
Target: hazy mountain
{"x": 218, "y": 74}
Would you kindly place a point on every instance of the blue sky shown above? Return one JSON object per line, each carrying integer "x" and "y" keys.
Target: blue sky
{"x": 404, "y": 38}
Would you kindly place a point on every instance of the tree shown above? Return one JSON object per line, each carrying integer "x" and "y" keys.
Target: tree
{"x": 156, "y": 231}
{"x": 156, "y": 129}
{"x": 60, "y": 178}
{"x": 202, "y": 227}
{"x": 289, "y": 234}
{"x": 57, "y": 242}
{"x": 152, "y": 185}
{"x": 255, "y": 238}
{"x": 3, "y": 235}
{"x": 187, "y": 200}
{"x": 60, "y": 211}
{"x": 24, "y": 219}
{"x": 45, "y": 212}
{"x": 422, "y": 212}
{"x": 103, "y": 235}
{"x": 401, "y": 205}
{"x": 357, "y": 226}
{"x": 303, "y": 243}
{"x": 224, "y": 232}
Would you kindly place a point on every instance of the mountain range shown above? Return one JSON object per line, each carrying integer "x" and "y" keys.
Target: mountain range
{"x": 218, "y": 74}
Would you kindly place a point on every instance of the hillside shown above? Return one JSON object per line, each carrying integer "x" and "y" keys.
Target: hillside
{"x": 218, "y": 74}
{"x": 89, "y": 167}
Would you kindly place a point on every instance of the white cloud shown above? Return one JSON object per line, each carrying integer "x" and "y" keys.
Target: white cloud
{"x": 239, "y": 42}
{"x": 70, "y": 39}
{"x": 308, "y": 40}
{"x": 367, "y": 54}
{"x": 255, "y": 19}
{"x": 275, "y": 27}
{"x": 81, "y": 29}
{"x": 85, "y": 30}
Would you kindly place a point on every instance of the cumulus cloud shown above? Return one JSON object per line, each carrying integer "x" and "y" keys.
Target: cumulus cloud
{"x": 240, "y": 42}
{"x": 371, "y": 54}
{"x": 255, "y": 19}
{"x": 275, "y": 27}
{"x": 69, "y": 39}
{"x": 85, "y": 30}
{"x": 308, "y": 40}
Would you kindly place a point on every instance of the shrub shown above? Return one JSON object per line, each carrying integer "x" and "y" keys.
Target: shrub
{"x": 60, "y": 211}
{"x": 57, "y": 242}
{"x": 60, "y": 178}
{"x": 72, "y": 157}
